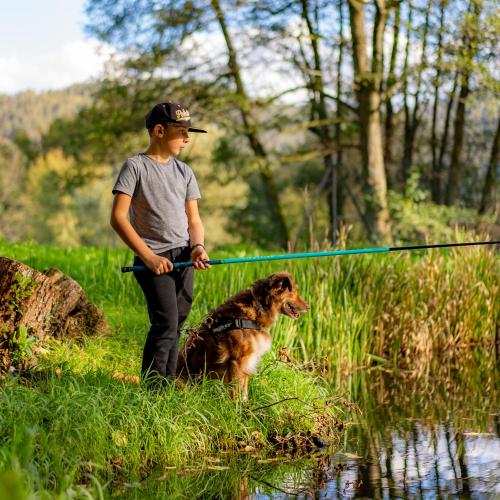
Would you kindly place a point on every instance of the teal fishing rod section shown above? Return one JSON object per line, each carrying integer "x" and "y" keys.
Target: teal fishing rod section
{"x": 287, "y": 256}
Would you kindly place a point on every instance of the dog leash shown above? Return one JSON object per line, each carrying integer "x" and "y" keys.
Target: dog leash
{"x": 307, "y": 255}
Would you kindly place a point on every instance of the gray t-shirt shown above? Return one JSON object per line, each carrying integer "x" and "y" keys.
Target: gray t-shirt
{"x": 159, "y": 193}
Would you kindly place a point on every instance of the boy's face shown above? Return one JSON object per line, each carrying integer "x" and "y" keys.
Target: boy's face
{"x": 171, "y": 137}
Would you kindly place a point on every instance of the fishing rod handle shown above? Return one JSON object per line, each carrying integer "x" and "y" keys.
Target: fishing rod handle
{"x": 177, "y": 265}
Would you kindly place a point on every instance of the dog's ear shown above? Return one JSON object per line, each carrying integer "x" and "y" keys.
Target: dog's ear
{"x": 281, "y": 282}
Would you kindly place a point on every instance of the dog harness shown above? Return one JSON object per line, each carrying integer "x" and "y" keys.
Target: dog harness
{"x": 234, "y": 324}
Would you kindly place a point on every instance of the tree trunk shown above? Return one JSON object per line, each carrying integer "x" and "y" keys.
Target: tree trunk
{"x": 436, "y": 181}
{"x": 469, "y": 50}
{"x": 415, "y": 119}
{"x": 319, "y": 111}
{"x": 455, "y": 170}
{"x": 391, "y": 80}
{"x": 252, "y": 134}
{"x": 488, "y": 201}
{"x": 367, "y": 85}
{"x": 35, "y": 306}
{"x": 444, "y": 138}
{"x": 339, "y": 113}
{"x": 407, "y": 125}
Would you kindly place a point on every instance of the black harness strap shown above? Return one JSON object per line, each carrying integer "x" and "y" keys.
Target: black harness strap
{"x": 234, "y": 324}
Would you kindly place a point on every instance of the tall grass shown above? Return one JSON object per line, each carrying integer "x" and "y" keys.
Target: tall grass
{"x": 410, "y": 311}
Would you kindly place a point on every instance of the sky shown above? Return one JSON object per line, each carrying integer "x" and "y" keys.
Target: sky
{"x": 43, "y": 46}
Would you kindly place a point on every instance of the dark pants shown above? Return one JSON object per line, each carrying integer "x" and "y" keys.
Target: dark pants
{"x": 169, "y": 297}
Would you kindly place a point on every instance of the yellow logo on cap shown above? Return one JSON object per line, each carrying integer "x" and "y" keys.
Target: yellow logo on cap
{"x": 182, "y": 115}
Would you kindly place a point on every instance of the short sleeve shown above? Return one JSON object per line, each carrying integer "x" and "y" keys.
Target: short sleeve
{"x": 192, "y": 191}
{"x": 127, "y": 179}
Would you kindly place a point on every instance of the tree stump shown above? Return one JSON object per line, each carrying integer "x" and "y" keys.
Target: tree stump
{"x": 36, "y": 306}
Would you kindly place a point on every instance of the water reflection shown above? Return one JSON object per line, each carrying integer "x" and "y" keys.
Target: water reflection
{"x": 423, "y": 462}
{"x": 440, "y": 443}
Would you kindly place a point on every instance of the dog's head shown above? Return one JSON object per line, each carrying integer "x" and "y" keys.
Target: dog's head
{"x": 283, "y": 296}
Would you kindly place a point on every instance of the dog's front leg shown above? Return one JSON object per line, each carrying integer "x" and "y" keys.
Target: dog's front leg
{"x": 244, "y": 387}
{"x": 237, "y": 381}
{"x": 240, "y": 388}
{"x": 235, "y": 386}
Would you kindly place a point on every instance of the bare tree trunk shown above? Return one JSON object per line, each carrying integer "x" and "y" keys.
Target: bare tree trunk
{"x": 455, "y": 170}
{"x": 444, "y": 138}
{"x": 415, "y": 119}
{"x": 406, "y": 107}
{"x": 412, "y": 120}
{"x": 251, "y": 132}
{"x": 339, "y": 110}
{"x": 436, "y": 181}
{"x": 391, "y": 80}
{"x": 319, "y": 111}
{"x": 367, "y": 84}
{"x": 469, "y": 50}
{"x": 490, "y": 182}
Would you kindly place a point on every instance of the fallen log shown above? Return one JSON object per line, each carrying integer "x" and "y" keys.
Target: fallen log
{"x": 35, "y": 306}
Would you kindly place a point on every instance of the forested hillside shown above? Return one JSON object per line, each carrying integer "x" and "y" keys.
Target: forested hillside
{"x": 33, "y": 112}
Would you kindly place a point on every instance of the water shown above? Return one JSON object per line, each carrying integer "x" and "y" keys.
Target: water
{"x": 441, "y": 442}
{"x": 426, "y": 461}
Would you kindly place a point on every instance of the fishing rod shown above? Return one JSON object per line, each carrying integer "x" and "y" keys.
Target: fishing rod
{"x": 286, "y": 256}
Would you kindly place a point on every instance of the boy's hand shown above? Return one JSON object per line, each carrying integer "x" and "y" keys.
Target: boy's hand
{"x": 159, "y": 264}
{"x": 198, "y": 255}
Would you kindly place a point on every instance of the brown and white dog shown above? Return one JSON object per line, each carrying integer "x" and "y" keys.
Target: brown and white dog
{"x": 231, "y": 341}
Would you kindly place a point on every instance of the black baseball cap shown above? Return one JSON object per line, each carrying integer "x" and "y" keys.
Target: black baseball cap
{"x": 170, "y": 113}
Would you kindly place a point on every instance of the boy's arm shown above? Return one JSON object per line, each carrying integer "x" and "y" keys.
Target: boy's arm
{"x": 196, "y": 235}
{"x": 120, "y": 223}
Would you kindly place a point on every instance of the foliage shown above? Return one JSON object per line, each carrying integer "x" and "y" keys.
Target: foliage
{"x": 416, "y": 219}
{"x": 12, "y": 179}
{"x": 121, "y": 431}
{"x": 21, "y": 289}
{"x": 177, "y": 51}
{"x": 17, "y": 345}
{"x": 31, "y": 113}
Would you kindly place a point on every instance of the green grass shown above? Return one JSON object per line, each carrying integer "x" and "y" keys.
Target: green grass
{"x": 60, "y": 429}
{"x": 424, "y": 314}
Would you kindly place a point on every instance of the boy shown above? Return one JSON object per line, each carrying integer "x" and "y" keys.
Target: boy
{"x": 160, "y": 193}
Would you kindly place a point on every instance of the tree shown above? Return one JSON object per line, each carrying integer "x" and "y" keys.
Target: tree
{"x": 445, "y": 136}
{"x": 390, "y": 84}
{"x": 468, "y": 51}
{"x": 436, "y": 180}
{"x": 367, "y": 83}
{"x": 412, "y": 118}
{"x": 251, "y": 129}
{"x": 12, "y": 178}
{"x": 158, "y": 43}
{"x": 488, "y": 201}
